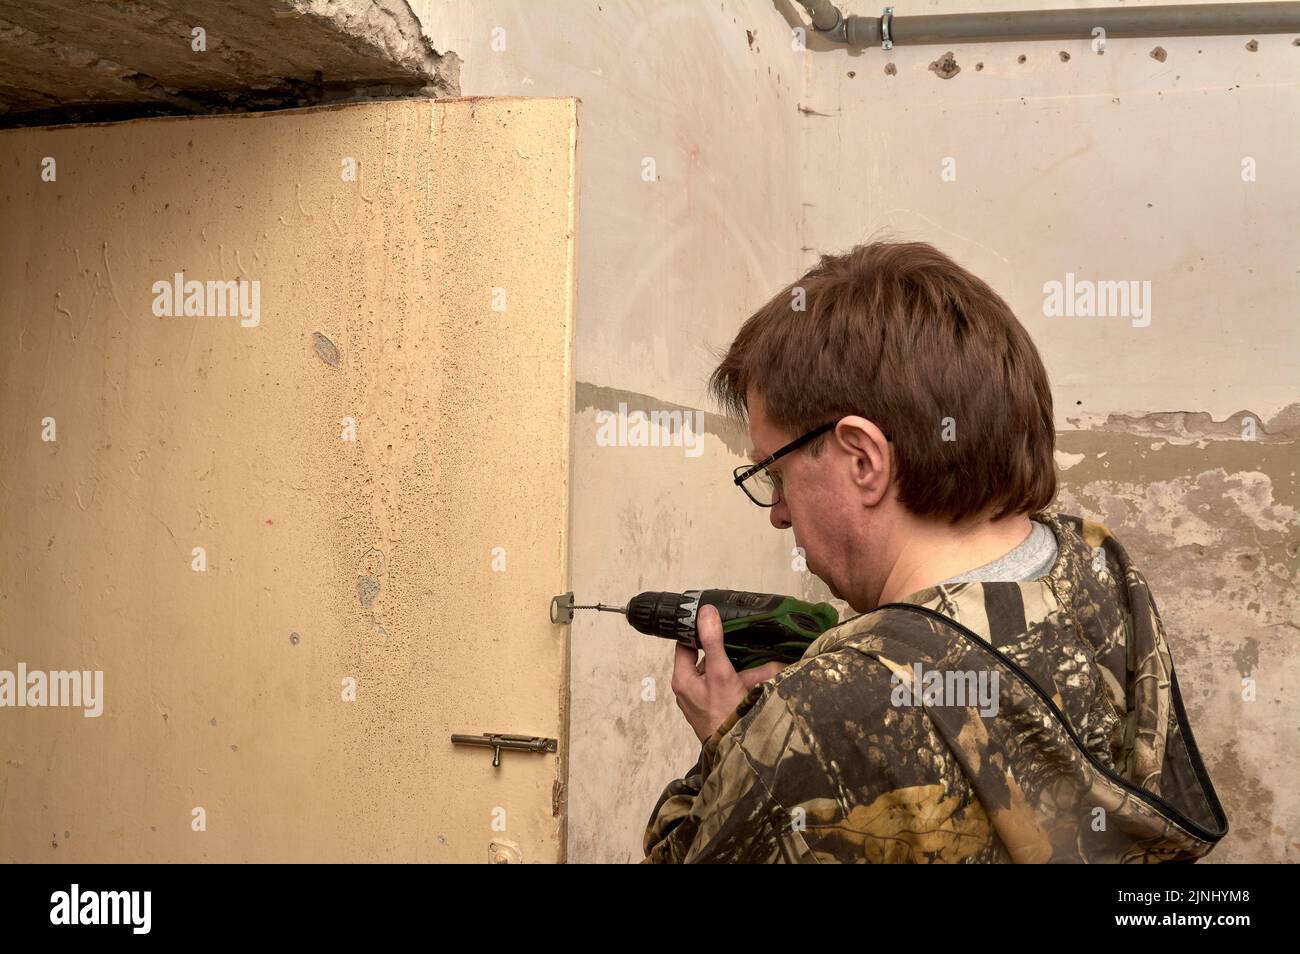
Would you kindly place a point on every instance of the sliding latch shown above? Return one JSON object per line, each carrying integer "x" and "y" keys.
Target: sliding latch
{"x": 497, "y": 742}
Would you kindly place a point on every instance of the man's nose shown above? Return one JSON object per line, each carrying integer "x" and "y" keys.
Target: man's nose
{"x": 779, "y": 514}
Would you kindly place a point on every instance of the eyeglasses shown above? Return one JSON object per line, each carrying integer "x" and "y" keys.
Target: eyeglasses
{"x": 763, "y": 487}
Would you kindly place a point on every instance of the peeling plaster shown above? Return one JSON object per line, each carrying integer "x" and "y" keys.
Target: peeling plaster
{"x": 64, "y": 62}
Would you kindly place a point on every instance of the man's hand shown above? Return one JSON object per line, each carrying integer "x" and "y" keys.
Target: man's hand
{"x": 709, "y": 691}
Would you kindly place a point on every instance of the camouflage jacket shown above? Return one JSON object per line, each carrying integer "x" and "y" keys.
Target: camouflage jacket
{"x": 1070, "y": 744}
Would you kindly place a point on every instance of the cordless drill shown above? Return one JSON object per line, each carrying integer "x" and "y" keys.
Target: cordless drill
{"x": 757, "y": 628}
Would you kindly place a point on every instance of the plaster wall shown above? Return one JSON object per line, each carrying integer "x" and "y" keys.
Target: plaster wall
{"x": 1177, "y": 428}
{"x": 1114, "y": 167}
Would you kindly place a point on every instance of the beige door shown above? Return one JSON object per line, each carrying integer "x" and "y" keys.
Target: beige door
{"x": 305, "y": 516}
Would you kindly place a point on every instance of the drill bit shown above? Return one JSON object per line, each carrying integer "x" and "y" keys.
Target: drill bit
{"x": 603, "y": 608}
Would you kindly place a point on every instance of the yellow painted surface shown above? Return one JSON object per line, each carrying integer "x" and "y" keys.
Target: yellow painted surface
{"x": 223, "y": 688}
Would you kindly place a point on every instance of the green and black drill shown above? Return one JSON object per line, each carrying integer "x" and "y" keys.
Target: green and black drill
{"x": 757, "y": 628}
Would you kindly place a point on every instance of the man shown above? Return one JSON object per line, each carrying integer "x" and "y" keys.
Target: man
{"x": 1007, "y": 694}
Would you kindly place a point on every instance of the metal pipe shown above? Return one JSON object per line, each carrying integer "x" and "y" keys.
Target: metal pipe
{"x": 1194, "y": 19}
{"x": 826, "y": 17}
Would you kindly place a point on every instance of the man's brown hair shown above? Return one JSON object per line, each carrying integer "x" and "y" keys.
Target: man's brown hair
{"x": 899, "y": 333}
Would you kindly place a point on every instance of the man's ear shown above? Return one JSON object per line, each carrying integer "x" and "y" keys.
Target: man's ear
{"x": 869, "y": 455}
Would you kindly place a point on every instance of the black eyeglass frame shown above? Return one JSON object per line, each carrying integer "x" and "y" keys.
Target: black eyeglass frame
{"x": 746, "y": 471}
